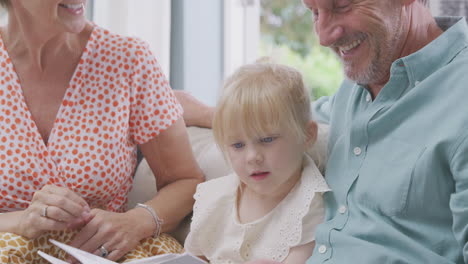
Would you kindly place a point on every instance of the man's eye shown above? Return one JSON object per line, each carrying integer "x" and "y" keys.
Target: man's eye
{"x": 237, "y": 145}
{"x": 342, "y": 8}
{"x": 342, "y": 5}
{"x": 267, "y": 139}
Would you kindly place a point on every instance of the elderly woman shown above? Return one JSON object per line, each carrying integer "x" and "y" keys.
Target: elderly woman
{"x": 76, "y": 100}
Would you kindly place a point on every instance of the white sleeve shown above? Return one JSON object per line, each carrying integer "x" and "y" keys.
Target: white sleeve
{"x": 191, "y": 244}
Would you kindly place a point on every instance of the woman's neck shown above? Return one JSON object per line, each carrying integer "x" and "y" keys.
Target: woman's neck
{"x": 26, "y": 42}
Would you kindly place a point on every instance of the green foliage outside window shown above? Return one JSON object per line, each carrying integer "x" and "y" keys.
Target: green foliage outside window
{"x": 288, "y": 36}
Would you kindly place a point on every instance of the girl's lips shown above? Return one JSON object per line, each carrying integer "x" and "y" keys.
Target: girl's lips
{"x": 260, "y": 175}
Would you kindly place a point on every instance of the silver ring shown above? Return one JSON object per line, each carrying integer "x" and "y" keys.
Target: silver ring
{"x": 44, "y": 211}
{"x": 104, "y": 252}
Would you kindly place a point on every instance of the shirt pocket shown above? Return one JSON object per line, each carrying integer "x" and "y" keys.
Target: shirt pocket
{"x": 386, "y": 177}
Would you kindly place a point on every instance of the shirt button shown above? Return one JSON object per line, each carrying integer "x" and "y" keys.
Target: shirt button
{"x": 368, "y": 98}
{"x": 322, "y": 249}
{"x": 357, "y": 151}
{"x": 342, "y": 209}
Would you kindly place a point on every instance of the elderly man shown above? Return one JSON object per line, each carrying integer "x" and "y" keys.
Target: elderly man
{"x": 398, "y": 143}
{"x": 398, "y": 163}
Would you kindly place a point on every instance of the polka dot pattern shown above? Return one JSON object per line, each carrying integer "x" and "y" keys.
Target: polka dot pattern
{"x": 117, "y": 98}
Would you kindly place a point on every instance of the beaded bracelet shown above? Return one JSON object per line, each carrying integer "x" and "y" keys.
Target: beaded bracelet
{"x": 158, "y": 221}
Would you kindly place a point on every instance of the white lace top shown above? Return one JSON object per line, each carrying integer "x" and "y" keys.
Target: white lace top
{"x": 217, "y": 234}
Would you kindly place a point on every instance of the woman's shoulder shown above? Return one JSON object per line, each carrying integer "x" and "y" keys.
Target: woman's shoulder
{"x": 119, "y": 44}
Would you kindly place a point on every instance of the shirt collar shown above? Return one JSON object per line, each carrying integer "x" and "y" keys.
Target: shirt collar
{"x": 439, "y": 52}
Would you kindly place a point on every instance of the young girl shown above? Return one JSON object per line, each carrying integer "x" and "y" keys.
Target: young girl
{"x": 269, "y": 207}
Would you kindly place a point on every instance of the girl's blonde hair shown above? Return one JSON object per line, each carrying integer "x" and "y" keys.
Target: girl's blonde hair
{"x": 260, "y": 98}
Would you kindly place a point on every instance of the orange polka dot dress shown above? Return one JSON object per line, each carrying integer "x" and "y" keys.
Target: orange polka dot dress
{"x": 117, "y": 98}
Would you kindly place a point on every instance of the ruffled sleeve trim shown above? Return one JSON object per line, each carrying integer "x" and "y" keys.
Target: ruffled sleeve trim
{"x": 298, "y": 214}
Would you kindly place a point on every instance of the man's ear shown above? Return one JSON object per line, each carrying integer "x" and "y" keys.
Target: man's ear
{"x": 312, "y": 129}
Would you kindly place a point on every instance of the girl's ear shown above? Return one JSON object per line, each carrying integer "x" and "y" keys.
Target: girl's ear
{"x": 311, "y": 133}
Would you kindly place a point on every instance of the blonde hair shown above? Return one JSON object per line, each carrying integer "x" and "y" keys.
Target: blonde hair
{"x": 260, "y": 98}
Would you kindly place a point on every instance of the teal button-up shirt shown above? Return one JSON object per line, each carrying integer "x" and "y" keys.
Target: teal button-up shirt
{"x": 398, "y": 165}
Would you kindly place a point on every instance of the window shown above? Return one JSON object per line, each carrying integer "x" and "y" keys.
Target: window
{"x": 287, "y": 36}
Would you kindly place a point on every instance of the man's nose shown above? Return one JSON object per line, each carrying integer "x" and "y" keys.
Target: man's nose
{"x": 328, "y": 30}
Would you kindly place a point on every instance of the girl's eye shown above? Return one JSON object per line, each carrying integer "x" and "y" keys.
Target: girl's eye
{"x": 237, "y": 145}
{"x": 267, "y": 139}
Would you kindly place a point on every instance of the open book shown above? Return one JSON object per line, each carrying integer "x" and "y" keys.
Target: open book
{"x": 88, "y": 258}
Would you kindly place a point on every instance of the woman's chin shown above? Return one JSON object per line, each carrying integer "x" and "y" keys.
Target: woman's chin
{"x": 76, "y": 27}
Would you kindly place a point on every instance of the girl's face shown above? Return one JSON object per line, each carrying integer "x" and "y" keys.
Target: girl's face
{"x": 269, "y": 165}
{"x": 64, "y": 15}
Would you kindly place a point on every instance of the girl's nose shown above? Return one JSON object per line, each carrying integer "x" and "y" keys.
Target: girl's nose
{"x": 254, "y": 156}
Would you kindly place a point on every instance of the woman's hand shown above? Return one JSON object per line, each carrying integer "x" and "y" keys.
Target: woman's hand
{"x": 52, "y": 208}
{"x": 114, "y": 233}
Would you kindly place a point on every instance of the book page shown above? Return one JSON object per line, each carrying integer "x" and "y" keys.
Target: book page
{"x": 51, "y": 259}
{"x": 155, "y": 259}
{"x": 88, "y": 258}
{"x": 184, "y": 258}
{"x": 82, "y": 256}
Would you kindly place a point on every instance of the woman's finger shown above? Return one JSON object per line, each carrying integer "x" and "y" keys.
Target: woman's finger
{"x": 89, "y": 239}
{"x": 64, "y": 199}
{"x": 35, "y": 222}
{"x": 65, "y": 192}
{"x": 108, "y": 250}
{"x": 48, "y": 224}
{"x": 111, "y": 230}
{"x": 116, "y": 248}
{"x": 57, "y": 214}
{"x": 116, "y": 254}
